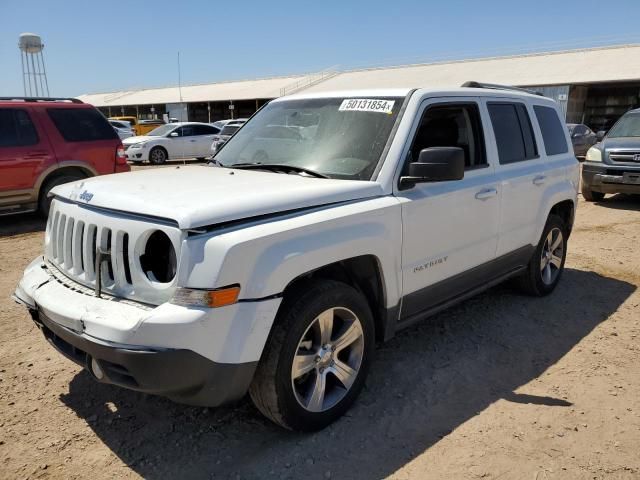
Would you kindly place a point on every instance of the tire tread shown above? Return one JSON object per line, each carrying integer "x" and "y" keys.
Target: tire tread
{"x": 263, "y": 389}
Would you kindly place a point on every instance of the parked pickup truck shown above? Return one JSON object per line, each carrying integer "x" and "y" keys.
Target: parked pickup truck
{"x": 277, "y": 277}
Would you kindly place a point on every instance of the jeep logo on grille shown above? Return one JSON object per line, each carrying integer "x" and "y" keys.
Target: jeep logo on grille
{"x": 86, "y": 196}
{"x": 636, "y": 157}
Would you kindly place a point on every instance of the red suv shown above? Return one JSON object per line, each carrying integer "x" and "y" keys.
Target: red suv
{"x": 45, "y": 142}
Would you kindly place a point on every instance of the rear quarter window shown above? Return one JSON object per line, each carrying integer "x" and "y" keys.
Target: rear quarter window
{"x": 81, "y": 124}
{"x": 16, "y": 128}
{"x": 553, "y": 135}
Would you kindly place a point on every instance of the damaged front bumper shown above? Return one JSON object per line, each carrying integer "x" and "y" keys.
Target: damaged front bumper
{"x": 182, "y": 353}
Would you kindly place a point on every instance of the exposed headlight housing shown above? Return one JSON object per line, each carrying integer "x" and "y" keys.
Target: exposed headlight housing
{"x": 158, "y": 261}
{"x": 137, "y": 145}
{"x": 594, "y": 155}
{"x": 195, "y": 297}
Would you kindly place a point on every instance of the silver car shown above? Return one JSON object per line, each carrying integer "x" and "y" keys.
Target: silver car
{"x": 582, "y": 138}
{"x": 229, "y": 127}
{"x": 123, "y": 128}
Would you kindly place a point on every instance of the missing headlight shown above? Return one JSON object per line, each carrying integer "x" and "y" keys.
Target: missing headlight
{"x": 159, "y": 258}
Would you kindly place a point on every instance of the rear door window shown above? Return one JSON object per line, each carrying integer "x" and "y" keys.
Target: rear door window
{"x": 81, "y": 124}
{"x": 205, "y": 130}
{"x": 552, "y": 131}
{"x": 513, "y": 132}
{"x": 16, "y": 128}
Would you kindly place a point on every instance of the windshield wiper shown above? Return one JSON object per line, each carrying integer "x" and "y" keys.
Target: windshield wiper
{"x": 277, "y": 166}
{"x": 217, "y": 163}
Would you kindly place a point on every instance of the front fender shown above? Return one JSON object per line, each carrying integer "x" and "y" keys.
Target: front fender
{"x": 265, "y": 257}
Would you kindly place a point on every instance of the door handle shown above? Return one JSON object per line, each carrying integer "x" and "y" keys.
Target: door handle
{"x": 486, "y": 193}
{"x": 539, "y": 180}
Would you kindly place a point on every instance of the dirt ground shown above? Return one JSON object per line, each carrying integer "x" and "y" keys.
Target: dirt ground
{"x": 502, "y": 386}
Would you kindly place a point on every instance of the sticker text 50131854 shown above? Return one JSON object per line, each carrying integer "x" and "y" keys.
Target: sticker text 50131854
{"x": 366, "y": 105}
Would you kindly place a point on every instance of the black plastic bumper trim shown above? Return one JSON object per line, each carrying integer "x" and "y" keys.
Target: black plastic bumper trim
{"x": 608, "y": 179}
{"x": 182, "y": 375}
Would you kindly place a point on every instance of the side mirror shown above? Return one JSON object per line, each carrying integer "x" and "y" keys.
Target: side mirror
{"x": 173, "y": 134}
{"x": 600, "y": 135}
{"x": 435, "y": 164}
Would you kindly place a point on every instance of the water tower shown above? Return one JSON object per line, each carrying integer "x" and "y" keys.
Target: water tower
{"x": 34, "y": 75}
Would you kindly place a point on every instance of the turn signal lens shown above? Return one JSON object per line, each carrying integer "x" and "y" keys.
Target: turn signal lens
{"x": 190, "y": 297}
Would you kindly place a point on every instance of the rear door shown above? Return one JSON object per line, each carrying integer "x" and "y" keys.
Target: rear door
{"x": 81, "y": 133}
{"x": 24, "y": 154}
{"x": 203, "y": 138}
{"x": 521, "y": 172}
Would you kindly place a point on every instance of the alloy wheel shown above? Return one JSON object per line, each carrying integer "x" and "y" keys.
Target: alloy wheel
{"x": 327, "y": 359}
{"x": 157, "y": 156}
{"x": 552, "y": 255}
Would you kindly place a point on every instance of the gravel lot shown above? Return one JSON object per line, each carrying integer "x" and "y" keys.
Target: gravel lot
{"x": 502, "y": 386}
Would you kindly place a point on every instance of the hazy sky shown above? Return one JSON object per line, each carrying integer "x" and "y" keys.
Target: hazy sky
{"x": 94, "y": 46}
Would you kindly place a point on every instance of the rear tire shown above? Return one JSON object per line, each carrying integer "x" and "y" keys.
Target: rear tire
{"x": 591, "y": 196}
{"x": 158, "y": 156}
{"x": 317, "y": 356}
{"x": 547, "y": 262}
{"x": 44, "y": 202}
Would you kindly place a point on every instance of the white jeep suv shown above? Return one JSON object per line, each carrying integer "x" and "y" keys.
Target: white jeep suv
{"x": 276, "y": 277}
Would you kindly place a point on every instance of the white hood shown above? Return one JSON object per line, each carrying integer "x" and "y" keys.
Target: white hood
{"x": 196, "y": 196}
{"x": 138, "y": 139}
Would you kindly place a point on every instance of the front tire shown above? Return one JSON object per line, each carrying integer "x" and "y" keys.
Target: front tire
{"x": 44, "y": 202}
{"x": 317, "y": 357}
{"x": 158, "y": 156}
{"x": 591, "y": 196}
{"x": 547, "y": 263}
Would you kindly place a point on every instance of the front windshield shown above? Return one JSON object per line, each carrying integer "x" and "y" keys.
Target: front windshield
{"x": 627, "y": 126}
{"x": 162, "y": 130}
{"x": 338, "y": 137}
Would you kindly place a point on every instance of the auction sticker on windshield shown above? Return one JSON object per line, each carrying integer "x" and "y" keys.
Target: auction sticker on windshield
{"x": 366, "y": 105}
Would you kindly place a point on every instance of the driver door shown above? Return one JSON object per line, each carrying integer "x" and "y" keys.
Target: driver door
{"x": 449, "y": 228}
{"x": 181, "y": 146}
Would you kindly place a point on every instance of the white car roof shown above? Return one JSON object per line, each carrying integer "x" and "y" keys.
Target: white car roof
{"x": 181, "y": 124}
{"x": 402, "y": 92}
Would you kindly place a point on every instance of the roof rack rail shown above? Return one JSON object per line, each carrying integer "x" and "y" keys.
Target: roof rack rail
{"x": 495, "y": 86}
{"x": 42, "y": 99}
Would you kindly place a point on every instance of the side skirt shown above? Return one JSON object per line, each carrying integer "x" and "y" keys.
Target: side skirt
{"x": 430, "y": 300}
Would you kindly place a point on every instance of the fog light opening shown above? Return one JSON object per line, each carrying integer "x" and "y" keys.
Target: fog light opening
{"x": 96, "y": 370}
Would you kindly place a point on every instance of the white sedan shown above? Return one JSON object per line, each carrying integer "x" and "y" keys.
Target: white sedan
{"x": 172, "y": 141}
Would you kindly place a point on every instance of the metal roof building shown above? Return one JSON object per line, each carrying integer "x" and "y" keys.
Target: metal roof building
{"x": 594, "y": 86}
